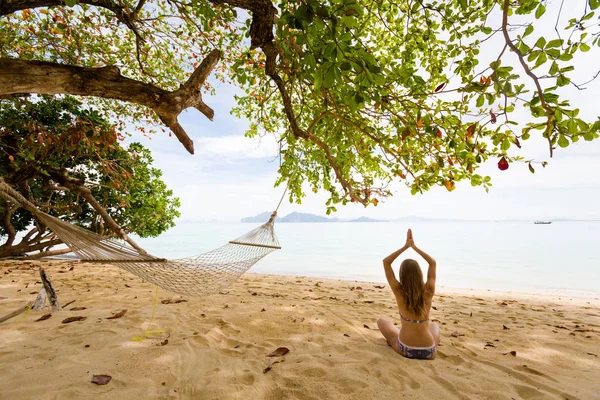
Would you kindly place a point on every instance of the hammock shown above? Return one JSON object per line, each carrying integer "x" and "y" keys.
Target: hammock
{"x": 202, "y": 275}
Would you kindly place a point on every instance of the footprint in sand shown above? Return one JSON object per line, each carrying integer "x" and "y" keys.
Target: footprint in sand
{"x": 349, "y": 386}
{"x": 247, "y": 378}
{"x": 314, "y": 372}
{"x": 528, "y": 392}
{"x": 453, "y": 359}
{"x": 525, "y": 368}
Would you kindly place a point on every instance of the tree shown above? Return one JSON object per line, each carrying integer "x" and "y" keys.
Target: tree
{"x": 359, "y": 95}
{"x": 67, "y": 160}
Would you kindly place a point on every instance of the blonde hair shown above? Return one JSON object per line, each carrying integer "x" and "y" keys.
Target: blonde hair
{"x": 411, "y": 281}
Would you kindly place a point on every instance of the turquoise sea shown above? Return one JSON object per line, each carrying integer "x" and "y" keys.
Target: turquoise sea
{"x": 561, "y": 258}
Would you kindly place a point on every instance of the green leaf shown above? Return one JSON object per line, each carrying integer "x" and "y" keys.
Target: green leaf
{"x": 309, "y": 60}
{"x": 463, "y": 4}
{"x": 554, "y": 43}
{"x": 345, "y": 66}
{"x": 541, "y": 42}
{"x": 505, "y": 144}
{"x": 531, "y": 169}
{"x": 300, "y": 12}
{"x": 533, "y": 55}
{"x": 318, "y": 80}
{"x": 541, "y": 59}
{"x": 359, "y": 99}
{"x": 562, "y": 80}
{"x": 588, "y": 16}
{"x": 480, "y": 100}
{"x": 553, "y": 68}
{"x": 562, "y": 141}
{"x": 528, "y": 30}
{"x": 487, "y": 30}
{"x": 565, "y": 57}
{"x": 594, "y": 4}
{"x": 540, "y": 11}
{"x": 70, "y": 3}
{"x": 329, "y": 77}
{"x": 330, "y": 51}
{"x": 584, "y": 47}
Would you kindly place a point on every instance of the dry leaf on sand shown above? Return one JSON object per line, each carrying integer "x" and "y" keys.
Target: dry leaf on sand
{"x": 117, "y": 315}
{"x": 280, "y": 351}
{"x": 101, "y": 379}
{"x": 73, "y": 319}
{"x": 43, "y": 317}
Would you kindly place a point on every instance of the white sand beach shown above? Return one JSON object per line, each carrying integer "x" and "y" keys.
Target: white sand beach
{"x": 217, "y": 347}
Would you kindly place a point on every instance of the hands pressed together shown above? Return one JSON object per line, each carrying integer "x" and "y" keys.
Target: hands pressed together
{"x": 410, "y": 242}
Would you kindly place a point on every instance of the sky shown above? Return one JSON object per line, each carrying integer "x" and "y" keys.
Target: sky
{"x": 231, "y": 176}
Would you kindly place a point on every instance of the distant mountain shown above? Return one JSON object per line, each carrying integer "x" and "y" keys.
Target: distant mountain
{"x": 304, "y": 217}
{"x": 365, "y": 219}
{"x": 262, "y": 217}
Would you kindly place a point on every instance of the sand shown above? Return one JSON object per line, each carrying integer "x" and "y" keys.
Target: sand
{"x": 216, "y": 347}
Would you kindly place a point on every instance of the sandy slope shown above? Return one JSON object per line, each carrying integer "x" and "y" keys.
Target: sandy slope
{"x": 217, "y": 346}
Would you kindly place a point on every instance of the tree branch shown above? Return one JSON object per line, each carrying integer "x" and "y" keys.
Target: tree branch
{"x": 43, "y": 254}
{"x": 535, "y": 79}
{"x": 122, "y": 14}
{"x": 261, "y": 35}
{"x": 23, "y": 76}
{"x": 74, "y": 186}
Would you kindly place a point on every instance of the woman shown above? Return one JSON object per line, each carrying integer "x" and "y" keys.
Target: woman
{"x": 417, "y": 338}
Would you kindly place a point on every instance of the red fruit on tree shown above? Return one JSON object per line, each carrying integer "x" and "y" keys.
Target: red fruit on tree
{"x": 503, "y": 164}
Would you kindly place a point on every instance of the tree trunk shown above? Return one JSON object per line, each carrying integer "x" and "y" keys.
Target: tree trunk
{"x": 9, "y": 210}
{"x": 50, "y": 290}
{"x": 40, "y": 300}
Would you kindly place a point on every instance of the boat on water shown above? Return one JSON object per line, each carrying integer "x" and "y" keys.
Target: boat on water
{"x": 542, "y": 222}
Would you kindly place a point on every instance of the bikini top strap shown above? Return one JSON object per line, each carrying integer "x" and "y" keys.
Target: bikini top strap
{"x": 414, "y": 321}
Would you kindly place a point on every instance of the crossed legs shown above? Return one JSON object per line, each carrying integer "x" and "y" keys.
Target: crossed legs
{"x": 391, "y": 333}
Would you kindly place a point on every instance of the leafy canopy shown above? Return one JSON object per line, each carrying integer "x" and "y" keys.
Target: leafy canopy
{"x": 360, "y": 95}
{"x": 53, "y": 147}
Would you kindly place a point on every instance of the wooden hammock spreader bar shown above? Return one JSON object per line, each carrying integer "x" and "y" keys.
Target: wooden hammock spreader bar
{"x": 255, "y": 245}
{"x": 156, "y": 260}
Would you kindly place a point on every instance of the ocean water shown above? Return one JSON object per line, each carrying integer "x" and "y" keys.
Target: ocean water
{"x": 561, "y": 258}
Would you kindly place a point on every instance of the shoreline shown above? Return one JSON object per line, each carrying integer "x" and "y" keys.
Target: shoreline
{"x": 494, "y": 345}
{"x": 550, "y": 294}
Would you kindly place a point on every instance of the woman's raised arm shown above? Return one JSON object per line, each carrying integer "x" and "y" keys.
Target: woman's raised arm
{"x": 387, "y": 263}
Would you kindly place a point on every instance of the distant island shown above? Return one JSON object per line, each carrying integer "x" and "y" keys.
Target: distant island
{"x": 365, "y": 219}
{"x": 306, "y": 217}
{"x": 262, "y": 217}
{"x": 301, "y": 217}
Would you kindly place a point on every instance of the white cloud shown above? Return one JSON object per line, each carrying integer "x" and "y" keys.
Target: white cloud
{"x": 234, "y": 148}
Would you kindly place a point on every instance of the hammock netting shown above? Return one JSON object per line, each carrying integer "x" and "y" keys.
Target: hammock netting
{"x": 202, "y": 275}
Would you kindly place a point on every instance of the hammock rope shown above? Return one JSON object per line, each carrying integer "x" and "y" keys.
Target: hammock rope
{"x": 205, "y": 274}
